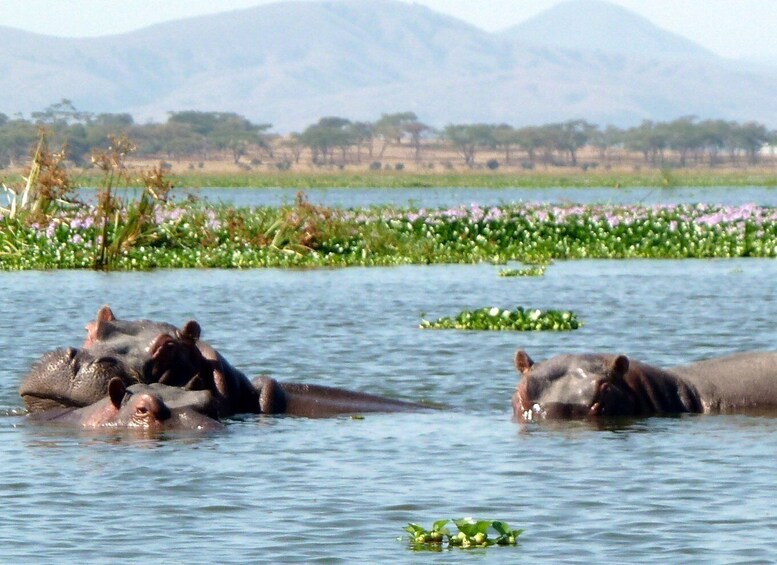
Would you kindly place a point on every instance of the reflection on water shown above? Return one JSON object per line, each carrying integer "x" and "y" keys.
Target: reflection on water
{"x": 281, "y": 489}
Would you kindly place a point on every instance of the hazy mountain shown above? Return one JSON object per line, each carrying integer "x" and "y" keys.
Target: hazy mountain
{"x": 291, "y": 63}
{"x": 594, "y": 25}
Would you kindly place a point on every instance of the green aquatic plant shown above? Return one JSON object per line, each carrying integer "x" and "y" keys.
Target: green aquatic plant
{"x": 155, "y": 233}
{"x": 496, "y": 319}
{"x": 533, "y": 271}
{"x": 47, "y": 186}
{"x": 471, "y": 534}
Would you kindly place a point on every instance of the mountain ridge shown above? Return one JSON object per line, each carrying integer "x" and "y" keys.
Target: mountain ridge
{"x": 291, "y": 63}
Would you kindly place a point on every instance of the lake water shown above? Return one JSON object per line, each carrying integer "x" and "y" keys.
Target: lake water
{"x": 455, "y": 196}
{"x": 695, "y": 489}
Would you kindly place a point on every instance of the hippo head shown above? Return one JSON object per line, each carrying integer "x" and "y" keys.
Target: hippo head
{"x": 144, "y": 407}
{"x": 132, "y": 351}
{"x": 70, "y": 377}
{"x": 152, "y": 351}
{"x": 572, "y": 387}
{"x": 141, "y": 407}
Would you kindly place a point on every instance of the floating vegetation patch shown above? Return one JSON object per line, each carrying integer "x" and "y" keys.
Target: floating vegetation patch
{"x": 166, "y": 234}
{"x": 495, "y": 319}
{"x": 532, "y": 271}
{"x": 471, "y": 534}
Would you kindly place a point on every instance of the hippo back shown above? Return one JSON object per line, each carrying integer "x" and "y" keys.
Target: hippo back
{"x": 735, "y": 382}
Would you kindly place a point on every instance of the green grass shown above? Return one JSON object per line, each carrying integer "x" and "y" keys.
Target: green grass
{"x": 475, "y": 179}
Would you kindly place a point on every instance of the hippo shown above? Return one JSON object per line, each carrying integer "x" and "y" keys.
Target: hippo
{"x": 317, "y": 401}
{"x": 137, "y": 352}
{"x": 578, "y": 386}
{"x": 160, "y": 352}
{"x": 140, "y": 406}
{"x": 147, "y": 352}
{"x": 589, "y": 385}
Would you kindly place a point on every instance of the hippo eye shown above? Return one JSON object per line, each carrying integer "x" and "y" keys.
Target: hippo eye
{"x": 142, "y": 410}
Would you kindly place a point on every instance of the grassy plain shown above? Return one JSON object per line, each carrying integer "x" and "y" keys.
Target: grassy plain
{"x": 439, "y": 167}
{"x": 557, "y": 177}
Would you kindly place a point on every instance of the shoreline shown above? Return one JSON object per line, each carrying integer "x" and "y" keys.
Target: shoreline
{"x": 664, "y": 178}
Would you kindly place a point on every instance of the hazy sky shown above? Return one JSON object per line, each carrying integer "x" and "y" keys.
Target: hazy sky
{"x": 732, "y": 28}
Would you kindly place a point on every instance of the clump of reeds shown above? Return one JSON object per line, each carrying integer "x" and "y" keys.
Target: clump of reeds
{"x": 132, "y": 224}
{"x": 47, "y": 184}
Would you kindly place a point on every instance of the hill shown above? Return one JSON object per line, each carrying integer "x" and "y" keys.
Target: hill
{"x": 291, "y": 63}
{"x": 595, "y": 25}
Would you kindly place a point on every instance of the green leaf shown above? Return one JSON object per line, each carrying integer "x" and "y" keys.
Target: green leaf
{"x": 414, "y": 529}
{"x": 438, "y": 525}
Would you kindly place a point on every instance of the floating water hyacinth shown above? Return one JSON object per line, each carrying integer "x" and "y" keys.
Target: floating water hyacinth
{"x": 495, "y": 319}
{"x": 471, "y": 534}
{"x": 190, "y": 235}
{"x": 533, "y": 271}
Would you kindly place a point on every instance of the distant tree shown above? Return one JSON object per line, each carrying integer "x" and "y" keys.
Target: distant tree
{"x": 530, "y": 139}
{"x": 223, "y": 130}
{"x": 362, "y": 134}
{"x": 102, "y": 126}
{"x": 751, "y": 138}
{"x": 683, "y": 136}
{"x": 293, "y": 142}
{"x": 467, "y": 139}
{"x": 391, "y": 127}
{"x": 715, "y": 135}
{"x": 177, "y": 140}
{"x": 605, "y": 140}
{"x": 237, "y": 134}
{"x": 17, "y": 136}
{"x": 202, "y": 123}
{"x": 549, "y": 139}
{"x": 416, "y": 131}
{"x": 61, "y": 114}
{"x": 506, "y": 137}
{"x": 650, "y": 139}
{"x": 570, "y": 136}
{"x": 328, "y": 134}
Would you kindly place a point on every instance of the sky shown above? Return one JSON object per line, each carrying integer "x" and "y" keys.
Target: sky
{"x": 731, "y": 28}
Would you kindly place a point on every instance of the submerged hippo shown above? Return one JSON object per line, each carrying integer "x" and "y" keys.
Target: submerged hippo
{"x": 143, "y": 351}
{"x": 594, "y": 385}
{"x": 139, "y": 407}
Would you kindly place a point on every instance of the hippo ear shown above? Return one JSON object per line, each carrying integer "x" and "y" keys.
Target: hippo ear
{"x": 522, "y": 361}
{"x": 96, "y": 330}
{"x": 619, "y": 368}
{"x": 116, "y": 390}
{"x": 105, "y": 314}
{"x": 190, "y": 332}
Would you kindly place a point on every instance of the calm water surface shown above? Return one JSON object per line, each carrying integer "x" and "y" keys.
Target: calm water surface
{"x": 455, "y": 196}
{"x": 678, "y": 490}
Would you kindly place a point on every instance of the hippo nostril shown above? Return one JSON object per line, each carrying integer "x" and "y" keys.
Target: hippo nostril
{"x": 162, "y": 347}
